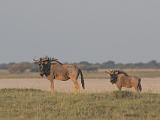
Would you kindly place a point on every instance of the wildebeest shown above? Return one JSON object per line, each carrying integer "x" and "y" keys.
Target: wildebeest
{"x": 122, "y": 79}
{"x": 53, "y": 69}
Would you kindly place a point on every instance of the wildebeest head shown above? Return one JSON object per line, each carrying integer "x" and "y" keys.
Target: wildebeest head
{"x": 113, "y": 76}
{"x": 44, "y": 65}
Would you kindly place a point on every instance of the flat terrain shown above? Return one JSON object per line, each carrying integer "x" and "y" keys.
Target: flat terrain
{"x": 92, "y": 85}
{"x": 32, "y": 104}
{"x": 99, "y": 101}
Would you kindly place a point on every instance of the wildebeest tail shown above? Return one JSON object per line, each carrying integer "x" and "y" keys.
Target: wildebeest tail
{"x": 82, "y": 79}
{"x": 139, "y": 85}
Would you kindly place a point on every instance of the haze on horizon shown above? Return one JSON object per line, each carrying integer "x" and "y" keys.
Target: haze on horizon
{"x": 86, "y": 30}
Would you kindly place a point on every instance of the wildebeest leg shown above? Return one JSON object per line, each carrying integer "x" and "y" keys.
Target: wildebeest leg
{"x": 76, "y": 86}
{"x": 52, "y": 86}
{"x": 119, "y": 87}
{"x": 139, "y": 85}
{"x": 137, "y": 89}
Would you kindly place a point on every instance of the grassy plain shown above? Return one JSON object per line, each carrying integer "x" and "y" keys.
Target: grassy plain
{"x": 31, "y": 104}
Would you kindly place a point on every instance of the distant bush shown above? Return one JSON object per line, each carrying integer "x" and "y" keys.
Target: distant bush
{"x": 84, "y": 65}
{"x": 19, "y": 67}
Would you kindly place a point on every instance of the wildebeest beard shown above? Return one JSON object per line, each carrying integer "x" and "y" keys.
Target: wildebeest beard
{"x": 113, "y": 78}
{"x": 45, "y": 69}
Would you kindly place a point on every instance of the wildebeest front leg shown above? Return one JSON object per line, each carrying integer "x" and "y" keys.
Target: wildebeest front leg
{"x": 76, "y": 86}
{"x": 52, "y": 77}
{"x": 52, "y": 86}
{"x": 119, "y": 87}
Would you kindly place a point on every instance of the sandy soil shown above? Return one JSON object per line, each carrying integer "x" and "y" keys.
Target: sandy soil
{"x": 92, "y": 85}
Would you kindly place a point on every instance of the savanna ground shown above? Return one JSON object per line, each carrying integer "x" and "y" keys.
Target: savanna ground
{"x": 26, "y": 96}
{"x": 31, "y": 104}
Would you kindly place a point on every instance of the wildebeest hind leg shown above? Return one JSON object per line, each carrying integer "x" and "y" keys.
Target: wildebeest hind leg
{"x": 137, "y": 89}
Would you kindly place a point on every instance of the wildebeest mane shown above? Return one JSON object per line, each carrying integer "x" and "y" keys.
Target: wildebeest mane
{"x": 53, "y": 60}
{"x": 121, "y": 72}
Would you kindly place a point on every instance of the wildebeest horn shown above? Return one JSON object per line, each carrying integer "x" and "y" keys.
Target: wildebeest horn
{"x": 54, "y": 59}
{"x": 35, "y": 61}
{"x": 45, "y": 59}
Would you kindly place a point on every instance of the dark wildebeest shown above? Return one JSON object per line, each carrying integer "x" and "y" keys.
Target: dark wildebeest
{"x": 122, "y": 79}
{"x": 53, "y": 69}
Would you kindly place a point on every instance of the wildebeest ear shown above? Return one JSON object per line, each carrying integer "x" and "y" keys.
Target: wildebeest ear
{"x": 116, "y": 71}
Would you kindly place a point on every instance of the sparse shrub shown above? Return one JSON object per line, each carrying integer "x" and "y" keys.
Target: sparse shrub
{"x": 124, "y": 94}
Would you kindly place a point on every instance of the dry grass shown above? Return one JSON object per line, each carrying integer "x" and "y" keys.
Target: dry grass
{"x": 99, "y": 101}
{"x": 24, "y": 104}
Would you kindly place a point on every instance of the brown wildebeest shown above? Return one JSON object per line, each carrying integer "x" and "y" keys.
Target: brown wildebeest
{"x": 122, "y": 79}
{"x": 53, "y": 69}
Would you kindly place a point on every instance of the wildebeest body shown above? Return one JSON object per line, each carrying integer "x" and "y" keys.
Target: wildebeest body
{"x": 53, "y": 69}
{"x": 121, "y": 79}
{"x": 127, "y": 81}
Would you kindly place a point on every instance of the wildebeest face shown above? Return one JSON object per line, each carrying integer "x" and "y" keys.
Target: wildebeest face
{"x": 44, "y": 65}
{"x": 41, "y": 68}
{"x": 44, "y": 68}
{"x": 113, "y": 78}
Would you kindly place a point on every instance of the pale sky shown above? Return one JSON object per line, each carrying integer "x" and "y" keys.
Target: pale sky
{"x": 80, "y": 30}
